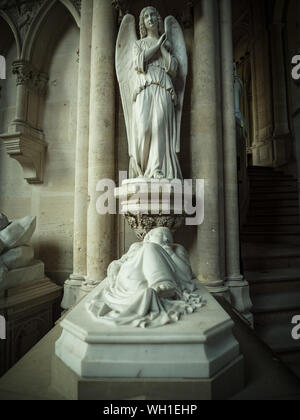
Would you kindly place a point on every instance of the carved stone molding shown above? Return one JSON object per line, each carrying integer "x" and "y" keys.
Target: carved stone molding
{"x": 77, "y": 5}
{"x": 21, "y": 13}
{"x": 29, "y": 152}
{"x": 30, "y": 77}
{"x": 144, "y": 223}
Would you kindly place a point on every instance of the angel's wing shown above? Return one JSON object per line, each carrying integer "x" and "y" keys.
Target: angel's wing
{"x": 175, "y": 36}
{"x": 124, "y": 68}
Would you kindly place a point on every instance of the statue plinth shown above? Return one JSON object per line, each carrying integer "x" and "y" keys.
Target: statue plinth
{"x": 150, "y": 203}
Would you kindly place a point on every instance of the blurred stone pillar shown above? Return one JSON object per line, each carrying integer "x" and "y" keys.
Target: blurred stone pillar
{"x": 239, "y": 288}
{"x": 207, "y": 161}
{"x": 101, "y": 160}
{"x": 73, "y": 284}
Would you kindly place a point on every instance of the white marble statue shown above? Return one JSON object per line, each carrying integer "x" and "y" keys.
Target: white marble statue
{"x": 152, "y": 75}
{"x": 17, "y": 263}
{"x": 150, "y": 286}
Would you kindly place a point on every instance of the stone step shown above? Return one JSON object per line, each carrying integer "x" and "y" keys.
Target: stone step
{"x": 277, "y": 179}
{"x": 275, "y": 237}
{"x": 263, "y": 203}
{"x": 269, "y": 182}
{"x": 292, "y": 360}
{"x": 265, "y": 256}
{"x": 272, "y": 189}
{"x": 274, "y": 219}
{"x": 282, "y": 196}
{"x": 287, "y": 303}
{"x": 262, "y": 211}
{"x": 271, "y": 227}
{"x": 279, "y": 338}
{"x": 273, "y": 277}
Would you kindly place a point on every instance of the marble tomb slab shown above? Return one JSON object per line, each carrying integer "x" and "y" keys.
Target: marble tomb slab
{"x": 198, "y": 346}
{"x": 21, "y": 276}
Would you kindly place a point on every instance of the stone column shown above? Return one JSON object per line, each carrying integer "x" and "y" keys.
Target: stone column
{"x": 281, "y": 125}
{"x": 238, "y": 287}
{"x": 100, "y": 229}
{"x": 72, "y": 285}
{"x": 22, "y": 70}
{"x": 282, "y": 139}
{"x": 206, "y": 144}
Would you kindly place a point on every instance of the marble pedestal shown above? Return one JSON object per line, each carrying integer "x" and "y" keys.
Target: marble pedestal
{"x": 150, "y": 203}
{"x": 198, "y": 349}
{"x": 30, "y": 311}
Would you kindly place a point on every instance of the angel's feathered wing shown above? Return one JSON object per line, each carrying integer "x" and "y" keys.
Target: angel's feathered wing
{"x": 125, "y": 69}
{"x": 175, "y": 36}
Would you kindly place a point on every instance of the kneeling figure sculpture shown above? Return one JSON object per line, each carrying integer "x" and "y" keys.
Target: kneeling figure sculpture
{"x": 150, "y": 286}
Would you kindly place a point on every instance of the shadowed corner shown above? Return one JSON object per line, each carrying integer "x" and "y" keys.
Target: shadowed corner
{"x": 2, "y": 328}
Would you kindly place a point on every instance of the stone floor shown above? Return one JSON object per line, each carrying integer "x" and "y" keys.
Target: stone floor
{"x": 267, "y": 378}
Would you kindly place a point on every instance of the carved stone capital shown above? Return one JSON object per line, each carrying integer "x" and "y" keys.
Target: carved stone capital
{"x": 29, "y": 151}
{"x": 144, "y": 223}
{"x": 30, "y": 77}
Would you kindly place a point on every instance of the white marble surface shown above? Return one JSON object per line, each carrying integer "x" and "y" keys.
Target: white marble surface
{"x": 152, "y": 73}
{"x": 198, "y": 346}
{"x": 150, "y": 286}
{"x": 18, "y": 233}
{"x": 3, "y": 221}
{"x": 17, "y": 257}
{"x": 21, "y": 276}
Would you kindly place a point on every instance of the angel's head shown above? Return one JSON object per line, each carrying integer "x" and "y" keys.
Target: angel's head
{"x": 150, "y": 18}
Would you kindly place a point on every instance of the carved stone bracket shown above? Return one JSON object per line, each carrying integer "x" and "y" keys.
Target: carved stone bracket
{"x": 29, "y": 152}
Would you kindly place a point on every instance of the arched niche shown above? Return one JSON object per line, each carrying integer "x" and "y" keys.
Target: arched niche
{"x": 8, "y": 34}
{"x": 25, "y": 140}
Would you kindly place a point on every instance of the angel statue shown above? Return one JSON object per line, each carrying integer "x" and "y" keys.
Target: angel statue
{"x": 152, "y": 76}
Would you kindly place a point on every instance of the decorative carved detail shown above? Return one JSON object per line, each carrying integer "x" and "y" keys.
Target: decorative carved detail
{"x": 29, "y": 152}
{"x": 143, "y": 223}
{"x": 29, "y": 76}
{"x": 21, "y": 13}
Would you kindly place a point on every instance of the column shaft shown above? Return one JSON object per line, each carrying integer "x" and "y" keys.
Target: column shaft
{"x": 207, "y": 143}
{"x": 281, "y": 125}
{"x": 238, "y": 286}
{"x": 71, "y": 289}
{"x": 100, "y": 229}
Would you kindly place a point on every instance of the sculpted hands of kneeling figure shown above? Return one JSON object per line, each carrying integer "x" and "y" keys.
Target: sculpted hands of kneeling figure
{"x": 152, "y": 76}
{"x": 150, "y": 286}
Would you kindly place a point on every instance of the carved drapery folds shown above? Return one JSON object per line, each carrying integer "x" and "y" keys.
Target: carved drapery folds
{"x": 25, "y": 140}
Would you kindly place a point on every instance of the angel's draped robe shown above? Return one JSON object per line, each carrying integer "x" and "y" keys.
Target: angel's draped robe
{"x": 154, "y": 136}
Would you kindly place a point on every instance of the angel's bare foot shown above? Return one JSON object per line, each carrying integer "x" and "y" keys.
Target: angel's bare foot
{"x": 165, "y": 289}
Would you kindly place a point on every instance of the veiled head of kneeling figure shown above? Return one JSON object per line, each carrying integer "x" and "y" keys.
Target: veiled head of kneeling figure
{"x": 161, "y": 236}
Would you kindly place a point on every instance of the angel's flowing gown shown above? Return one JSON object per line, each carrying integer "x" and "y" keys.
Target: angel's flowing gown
{"x": 153, "y": 143}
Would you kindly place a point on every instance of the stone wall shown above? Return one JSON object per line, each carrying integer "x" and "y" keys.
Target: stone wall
{"x": 51, "y": 202}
